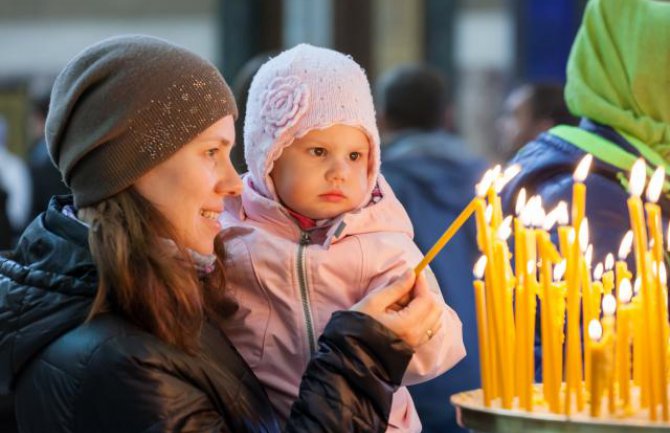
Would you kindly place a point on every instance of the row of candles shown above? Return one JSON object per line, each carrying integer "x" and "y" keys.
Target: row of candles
{"x": 623, "y": 358}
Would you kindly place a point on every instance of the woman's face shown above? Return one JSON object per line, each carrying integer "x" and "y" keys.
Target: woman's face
{"x": 189, "y": 187}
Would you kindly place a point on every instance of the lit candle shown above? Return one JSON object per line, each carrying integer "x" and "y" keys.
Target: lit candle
{"x": 493, "y": 199}
{"x": 574, "y": 370}
{"x": 520, "y": 309}
{"x": 597, "y": 343}
{"x": 485, "y": 241}
{"x": 548, "y": 255}
{"x": 662, "y": 309}
{"x": 579, "y": 190}
{"x": 621, "y": 266}
{"x": 609, "y": 308}
{"x": 589, "y": 298}
{"x": 503, "y": 311}
{"x": 483, "y": 338}
{"x": 659, "y": 341}
{"x": 636, "y": 214}
{"x": 559, "y": 288}
{"x": 654, "y": 212}
{"x": 624, "y": 317}
{"x": 608, "y": 276}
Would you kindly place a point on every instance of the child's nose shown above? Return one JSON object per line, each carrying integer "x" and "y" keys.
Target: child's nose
{"x": 338, "y": 170}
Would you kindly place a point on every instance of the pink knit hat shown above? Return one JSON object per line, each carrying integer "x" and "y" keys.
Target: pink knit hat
{"x": 303, "y": 89}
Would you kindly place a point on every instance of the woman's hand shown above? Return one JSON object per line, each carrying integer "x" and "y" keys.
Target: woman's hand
{"x": 414, "y": 322}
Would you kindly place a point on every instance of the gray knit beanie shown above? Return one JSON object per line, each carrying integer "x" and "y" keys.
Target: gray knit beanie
{"x": 124, "y": 105}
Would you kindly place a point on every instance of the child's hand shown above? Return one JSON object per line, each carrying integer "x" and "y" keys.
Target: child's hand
{"x": 417, "y": 321}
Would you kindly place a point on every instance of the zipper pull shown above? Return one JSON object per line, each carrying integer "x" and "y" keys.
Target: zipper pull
{"x": 304, "y": 238}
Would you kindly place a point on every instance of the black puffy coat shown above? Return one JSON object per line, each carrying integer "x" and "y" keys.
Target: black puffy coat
{"x": 108, "y": 375}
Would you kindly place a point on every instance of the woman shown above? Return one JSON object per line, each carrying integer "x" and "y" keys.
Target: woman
{"x": 111, "y": 302}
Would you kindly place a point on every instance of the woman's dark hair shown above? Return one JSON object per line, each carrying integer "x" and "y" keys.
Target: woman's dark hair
{"x": 152, "y": 285}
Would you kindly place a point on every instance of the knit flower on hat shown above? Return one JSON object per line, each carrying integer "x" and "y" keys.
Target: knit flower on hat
{"x": 284, "y": 103}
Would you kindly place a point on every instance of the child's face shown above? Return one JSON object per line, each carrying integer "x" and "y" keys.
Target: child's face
{"x": 324, "y": 173}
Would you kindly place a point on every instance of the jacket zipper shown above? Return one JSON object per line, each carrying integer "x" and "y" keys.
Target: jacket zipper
{"x": 304, "y": 294}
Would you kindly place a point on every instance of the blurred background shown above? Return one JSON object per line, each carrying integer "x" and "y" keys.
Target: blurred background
{"x": 485, "y": 48}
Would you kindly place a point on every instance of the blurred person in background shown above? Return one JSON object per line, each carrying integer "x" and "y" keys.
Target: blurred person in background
{"x": 45, "y": 177}
{"x": 529, "y": 110}
{"x": 433, "y": 173}
{"x": 15, "y": 181}
{"x": 617, "y": 82}
{"x": 5, "y": 228}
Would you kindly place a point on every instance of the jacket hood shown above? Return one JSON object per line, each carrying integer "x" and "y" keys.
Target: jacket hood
{"x": 386, "y": 215}
{"x": 426, "y": 159}
{"x": 47, "y": 285}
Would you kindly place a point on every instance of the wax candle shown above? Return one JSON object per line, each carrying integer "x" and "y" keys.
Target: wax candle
{"x": 504, "y": 231}
{"x": 493, "y": 199}
{"x": 446, "y": 236}
{"x": 609, "y": 308}
{"x": 560, "y": 292}
{"x": 482, "y": 337}
{"x": 621, "y": 266}
{"x": 623, "y": 340}
{"x": 549, "y": 365}
{"x": 597, "y": 343}
{"x": 636, "y": 215}
{"x": 503, "y": 331}
{"x": 485, "y": 241}
{"x": 608, "y": 275}
{"x": 659, "y": 341}
{"x": 588, "y": 297}
{"x": 574, "y": 376}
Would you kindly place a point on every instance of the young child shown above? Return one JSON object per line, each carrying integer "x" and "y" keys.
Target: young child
{"x": 315, "y": 219}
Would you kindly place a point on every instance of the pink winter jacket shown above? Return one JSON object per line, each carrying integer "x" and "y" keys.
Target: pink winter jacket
{"x": 288, "y": 285}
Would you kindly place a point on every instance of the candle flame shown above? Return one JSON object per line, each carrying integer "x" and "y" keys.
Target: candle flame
{"x": 626, "y": 245}
{"x": 637, "y": 177}
{"x": 528, "y": 211}
{"x": 595, "y": 330}
{"x": 488, "y": 214}
{"x": 625, "y": 290}
{"x": 582, "y": 169}
{"x": 598, "y": 272}
{"x": 479, "y": 267}
{"x": 538, "y": 213}
{"x": 505, "y": 228}
{"x": 609, "y": 305}
{"x": 609, "y": 261}
{"x": 637, "y": 285}
{"x": 551, "y": 218}
{"x": 588, "y": 255}
{"x": 483, "y": 186}
{"x": 584, "y": 234}
{"x": 655, "y": 185}
{"x": 506, "y": 176}
{"x": 662, "y": 273}
{"x": 520, "y": 201}
{"x": 559, "y": 270}
{"x": 571, "y": 236}
{"x": 562, "y": 212}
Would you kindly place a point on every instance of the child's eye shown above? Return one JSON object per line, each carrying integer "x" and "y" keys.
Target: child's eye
{"x": 317, "y": 151}
{"x": 354, "y": 156}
